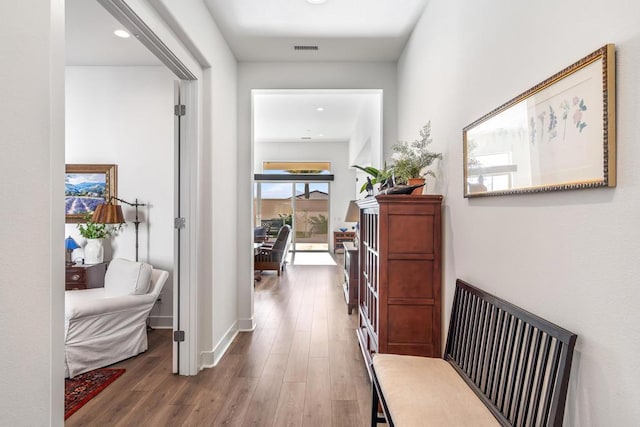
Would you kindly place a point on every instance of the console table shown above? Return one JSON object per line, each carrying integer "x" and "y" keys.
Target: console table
{"x": 340, "y": 237}
{"x": 83, "y": 276}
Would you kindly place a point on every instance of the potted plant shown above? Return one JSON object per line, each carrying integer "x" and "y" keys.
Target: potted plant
{"x": 94, "y": 233}
{"x": 411, "y": 158}
{"x": 379, "y": 176}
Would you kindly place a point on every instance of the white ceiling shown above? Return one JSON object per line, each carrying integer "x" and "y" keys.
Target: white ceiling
{"x": 261, "y": 30}
{"x": 292, "y": 116}
{"x": 343, "y": 30}
{"x": 267, "y": 30}
{"x": 90, "y": 40}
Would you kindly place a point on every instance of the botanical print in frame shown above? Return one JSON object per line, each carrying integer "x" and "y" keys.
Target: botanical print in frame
{"x": 558, "y": 135}
{"x": 87, "y": 186}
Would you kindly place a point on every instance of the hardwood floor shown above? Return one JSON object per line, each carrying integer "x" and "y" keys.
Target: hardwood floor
{"x": 300, "y": 367}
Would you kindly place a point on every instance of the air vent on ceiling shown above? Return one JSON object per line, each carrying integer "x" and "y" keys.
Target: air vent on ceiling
{"x": 305, "y": 47}
{"x": 306, "y": 137}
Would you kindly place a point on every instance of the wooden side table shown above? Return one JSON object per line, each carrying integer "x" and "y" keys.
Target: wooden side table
{"x": 339, "y": 237}
{"x": 84, "y": 276}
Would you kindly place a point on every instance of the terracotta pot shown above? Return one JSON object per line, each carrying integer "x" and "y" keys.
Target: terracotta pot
{"x": 414, "y": 181}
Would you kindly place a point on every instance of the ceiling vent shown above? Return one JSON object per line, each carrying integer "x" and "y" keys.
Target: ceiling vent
{"x": 306, "y": 137}
{"x": 305, "y": 47}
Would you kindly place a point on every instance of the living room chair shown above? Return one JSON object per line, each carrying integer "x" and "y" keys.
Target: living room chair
{"x": 273, "y": 257}
{"x": 106, "y": 325}
{"x": 261, "y": 234}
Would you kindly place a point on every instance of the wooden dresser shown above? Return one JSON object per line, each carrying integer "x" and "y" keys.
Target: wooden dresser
{"x": 399, "y": 301}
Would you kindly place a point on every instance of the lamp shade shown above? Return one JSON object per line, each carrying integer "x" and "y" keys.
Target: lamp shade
{"x": 108, "y": 214}
{"x": 353, "y": 212}
{"x": 70, "y": 244}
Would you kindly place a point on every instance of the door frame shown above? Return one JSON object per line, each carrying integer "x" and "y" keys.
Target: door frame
{"x": 185, "y": 178}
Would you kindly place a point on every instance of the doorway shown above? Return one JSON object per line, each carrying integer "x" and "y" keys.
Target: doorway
{"x": 162, "y": 244}
{"x": 304, "y": 206}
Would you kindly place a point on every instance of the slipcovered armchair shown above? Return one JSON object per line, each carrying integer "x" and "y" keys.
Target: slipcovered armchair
{"x": 106, "y": 325}
{"x": 273, "y": 257}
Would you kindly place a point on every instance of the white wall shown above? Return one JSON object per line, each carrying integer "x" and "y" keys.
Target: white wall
{"x": 32, "y": 171}
{"x": 340, "y": 189}
{"x": 31, "y": 230}
{"x": 366, "y": 141}
{"x": 290, "y": 75}
{"x": 570, "y": 257}
{"x": 123, "y": 115}
{"x": 217, "y": 153}
{"x": 365, "y": 145}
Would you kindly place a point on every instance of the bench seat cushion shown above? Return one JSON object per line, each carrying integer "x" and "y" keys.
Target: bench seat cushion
{"x": 422, "y": 391}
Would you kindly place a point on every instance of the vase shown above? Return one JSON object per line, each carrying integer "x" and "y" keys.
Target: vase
{"x": 93, "y": 251}
{"x": 415, "y": 181}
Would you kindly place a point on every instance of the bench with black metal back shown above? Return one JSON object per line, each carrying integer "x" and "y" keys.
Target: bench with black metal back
{"x": 502, "y": 366}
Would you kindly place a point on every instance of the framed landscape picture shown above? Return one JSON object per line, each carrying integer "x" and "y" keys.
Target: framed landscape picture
{"x": 85, "y": 187}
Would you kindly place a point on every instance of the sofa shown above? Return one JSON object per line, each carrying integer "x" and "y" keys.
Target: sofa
{"x": 106, "y": 325}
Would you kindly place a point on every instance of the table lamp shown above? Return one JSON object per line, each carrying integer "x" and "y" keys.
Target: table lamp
{"x": 69, "y": 246}
{"x": 353, "y": 212}
{"x": 353, "y": 215}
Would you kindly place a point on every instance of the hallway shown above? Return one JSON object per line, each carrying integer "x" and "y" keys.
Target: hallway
{"x": 300, "y": 367}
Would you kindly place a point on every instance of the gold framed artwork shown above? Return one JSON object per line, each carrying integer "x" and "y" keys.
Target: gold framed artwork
{"x": 558, "y": 135}
{"x": 87, "y": 186}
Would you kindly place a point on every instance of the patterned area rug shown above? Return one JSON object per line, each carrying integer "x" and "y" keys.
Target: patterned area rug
{"x": 84, "y": 387}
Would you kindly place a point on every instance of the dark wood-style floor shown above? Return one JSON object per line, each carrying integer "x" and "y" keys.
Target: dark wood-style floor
{"x": 300, "y": 367}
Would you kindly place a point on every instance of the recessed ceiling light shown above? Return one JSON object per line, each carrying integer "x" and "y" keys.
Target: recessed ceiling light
{"x": 321, "y": 134}
{"x": 316, "y": 1}
{"x": 319, "y": 109}
{"x": 121, "y": 33}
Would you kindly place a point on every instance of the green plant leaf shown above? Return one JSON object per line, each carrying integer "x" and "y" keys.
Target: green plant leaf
{"x": 368, "y": 169}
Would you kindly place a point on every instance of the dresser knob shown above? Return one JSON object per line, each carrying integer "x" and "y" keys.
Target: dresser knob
{"x": 75, "y": 277}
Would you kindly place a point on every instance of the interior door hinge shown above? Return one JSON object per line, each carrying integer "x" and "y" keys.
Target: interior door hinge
{"x": 178, "y": 336}
{"x": 179, "y": 110}
{"x": 179, "y": 223}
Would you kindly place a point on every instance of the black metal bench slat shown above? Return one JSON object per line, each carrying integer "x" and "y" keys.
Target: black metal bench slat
{"x": 544, "y": 366}
{"x": 516, "y": 363}
{"x": 466, "y": 310}
{"x": 475, "y": 315}
{"x": 520, "y": 369}
{"x": 456, "y": 317}
{"x": 489, "y": 347}
{"x": 532, "y": 373}
{"x": 477, "y": 356}
{"x": 464, "y": 350}
{"x": 546, "y": 408}
{"x": 507, "y": 357}
{"x": 512, "y": 365}
{"x": 566, "y": 354}
{"x": 499, "y": 344}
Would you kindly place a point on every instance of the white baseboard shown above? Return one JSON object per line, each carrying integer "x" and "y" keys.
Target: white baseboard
{"x": 161, "y": 322}
{"x": 246, "y": 325}
{"x": 209, "y": 359}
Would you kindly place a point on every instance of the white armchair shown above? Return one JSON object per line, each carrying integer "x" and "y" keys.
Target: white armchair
{"x": 106, "y": 325}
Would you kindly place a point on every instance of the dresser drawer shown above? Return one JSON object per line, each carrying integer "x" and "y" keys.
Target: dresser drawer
{"x": 75, "y": 278}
